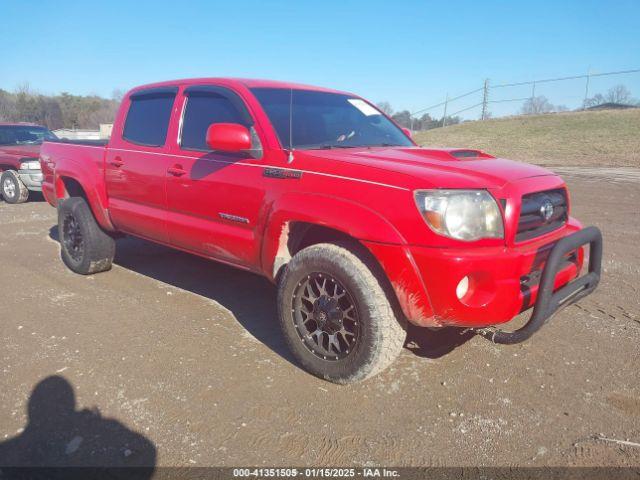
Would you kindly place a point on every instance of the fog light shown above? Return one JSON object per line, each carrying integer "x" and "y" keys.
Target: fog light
{"x": 462, "y": 288}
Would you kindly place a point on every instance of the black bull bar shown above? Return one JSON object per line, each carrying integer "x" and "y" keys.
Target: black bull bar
{"x": 549, "y": 302}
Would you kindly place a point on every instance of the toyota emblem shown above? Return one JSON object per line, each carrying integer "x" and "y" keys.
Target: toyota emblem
{"x": 546, "y": 210}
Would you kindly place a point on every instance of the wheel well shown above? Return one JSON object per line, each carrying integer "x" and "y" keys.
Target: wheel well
{"x": 71, "y": 188}
{"x": 298, "y": 235}
{"x": 303, "y": 235}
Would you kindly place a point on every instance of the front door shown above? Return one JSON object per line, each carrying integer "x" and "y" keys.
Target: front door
{"x": 214, "y": 198}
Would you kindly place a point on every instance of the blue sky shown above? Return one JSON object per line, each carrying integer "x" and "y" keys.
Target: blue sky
{"x": 410, "y": 53}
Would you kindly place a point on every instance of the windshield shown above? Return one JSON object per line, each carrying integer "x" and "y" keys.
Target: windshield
{"x": 24, "y": 135}
{"x": 327, "y": 120}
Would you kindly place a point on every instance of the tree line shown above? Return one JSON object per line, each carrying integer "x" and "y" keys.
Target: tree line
{"x": 617, "y": 95}
{"x": 57, "y": 111}
{"x": 424, "y": 122}
{"x": 76, "y": 111}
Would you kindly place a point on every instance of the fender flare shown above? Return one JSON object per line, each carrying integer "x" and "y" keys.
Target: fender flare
{"x": 346, "y": 216}
{"x": 372, "y": 230}
{"x": 92, "y": 182}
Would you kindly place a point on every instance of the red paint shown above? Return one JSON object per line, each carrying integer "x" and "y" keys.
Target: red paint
{"x": 176, "y": 197}
{"x": 228, "y": 137}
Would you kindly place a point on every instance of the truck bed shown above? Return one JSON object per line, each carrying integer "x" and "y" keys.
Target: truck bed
{"x": 96, "y": 143}
{"x": 81, "y": 159}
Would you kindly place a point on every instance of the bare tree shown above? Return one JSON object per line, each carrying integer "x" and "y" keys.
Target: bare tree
{"x": 537, "y": 105}
{"x": 619, "y": 94}
{"x": 117, "y": 94}
{"x": 385, "y": 107}
{"x": 594, "y": 101}
{"x": 7, "y": 106}
{"x": 23, "y": 88}
{"x": 403, "y": 118}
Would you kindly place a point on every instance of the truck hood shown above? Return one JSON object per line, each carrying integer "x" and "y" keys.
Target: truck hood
{"x": 31, "y": 150}
{"x": 448, "y": 168}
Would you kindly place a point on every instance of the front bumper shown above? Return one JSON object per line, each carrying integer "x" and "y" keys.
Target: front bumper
{"x": 502, "y": 281}
{"x": 32, "y": 179}
{"x": 549, "y": 300}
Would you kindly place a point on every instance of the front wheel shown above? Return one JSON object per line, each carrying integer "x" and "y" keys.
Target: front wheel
{"x": 85, "y": 247}
{"x": 335, "y": 315}
{"x": 13, "y": 190}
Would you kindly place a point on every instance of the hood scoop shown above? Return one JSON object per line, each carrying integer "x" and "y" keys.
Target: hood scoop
{"x": 455, "y": 153}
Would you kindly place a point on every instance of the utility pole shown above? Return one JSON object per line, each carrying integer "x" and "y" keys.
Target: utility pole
{"x": 485, "y": 99}
{"x": 586, "y": 89}
{"x": 533, "y": 92}
{"x": 444, "y": 117}
{"x": 533, "y": 99}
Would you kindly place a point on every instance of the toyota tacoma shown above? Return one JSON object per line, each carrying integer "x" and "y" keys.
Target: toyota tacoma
{"x": 319, "y": 191}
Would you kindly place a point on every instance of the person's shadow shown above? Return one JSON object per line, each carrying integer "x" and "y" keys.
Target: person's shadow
{"x": 58, "y": 438}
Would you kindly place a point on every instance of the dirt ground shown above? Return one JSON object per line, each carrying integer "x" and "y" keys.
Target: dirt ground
{"x": 183, "y": 361}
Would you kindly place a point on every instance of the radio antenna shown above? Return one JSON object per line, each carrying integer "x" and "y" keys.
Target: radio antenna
{"x": 290, "y": 157}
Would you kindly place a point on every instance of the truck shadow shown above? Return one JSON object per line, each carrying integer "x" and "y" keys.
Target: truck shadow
{"x": 433, "y": 344}
{"x": 249, "y": 297}
{"x": 61, "y": 441}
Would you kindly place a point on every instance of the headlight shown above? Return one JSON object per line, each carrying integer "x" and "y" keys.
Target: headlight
{"x": 30, "y": 165}
{"x": 461, "y": 214}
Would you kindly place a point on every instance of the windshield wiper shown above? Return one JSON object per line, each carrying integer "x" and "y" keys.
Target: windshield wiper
{"x": 329, "y": 147}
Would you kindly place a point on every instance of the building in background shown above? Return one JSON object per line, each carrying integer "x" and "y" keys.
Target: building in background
{"x": 85, "y": 134}
{"x": 105, "y": 130}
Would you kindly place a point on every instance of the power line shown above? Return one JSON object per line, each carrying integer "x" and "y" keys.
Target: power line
{"x": 558, "y": 79}
{"x": 486, "y": 89}
{"x": 465, "y": 109}
{"x": 510, "y": 100}
{"x": 447, "y": 101}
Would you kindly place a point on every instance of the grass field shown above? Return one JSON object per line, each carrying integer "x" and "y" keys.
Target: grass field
{"x": 598, "y": 138}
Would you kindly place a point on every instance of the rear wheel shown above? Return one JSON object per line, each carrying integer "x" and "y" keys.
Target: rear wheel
{"x": 85, "y": 247}
{"x": 335, "y": 315}
{"x": 13, "y": 190}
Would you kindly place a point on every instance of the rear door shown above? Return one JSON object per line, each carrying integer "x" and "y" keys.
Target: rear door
{"x": 214, "y": 198}
{"x": 136, "y": 164}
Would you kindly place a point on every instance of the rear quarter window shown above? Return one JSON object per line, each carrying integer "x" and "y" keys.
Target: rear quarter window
{"x": 6, "y": 136}
{"x": 148, "y": 118}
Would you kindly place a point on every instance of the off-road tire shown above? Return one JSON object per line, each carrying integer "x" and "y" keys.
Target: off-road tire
{"x": 98, "y": 247}
{"x": 20, "y": 192}
{"x": 382, "y": 327}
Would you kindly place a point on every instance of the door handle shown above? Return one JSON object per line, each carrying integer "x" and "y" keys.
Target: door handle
{"x": 176, "y": 171}
{"x": 117, "y": 162}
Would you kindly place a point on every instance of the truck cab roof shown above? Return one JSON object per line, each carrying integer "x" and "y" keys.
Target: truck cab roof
{"x": 231, "y": 81}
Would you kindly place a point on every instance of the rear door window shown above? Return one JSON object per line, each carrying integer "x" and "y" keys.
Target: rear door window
{"x": 148, "y": 117}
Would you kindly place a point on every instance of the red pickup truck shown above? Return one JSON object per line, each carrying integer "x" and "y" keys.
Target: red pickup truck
{"x": 327, "y": 197}
{"x": 19, "y": 165}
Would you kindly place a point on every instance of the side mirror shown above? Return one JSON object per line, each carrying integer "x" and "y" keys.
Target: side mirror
{"x": 407, "y": 132}
{"x": 228, "y": 137}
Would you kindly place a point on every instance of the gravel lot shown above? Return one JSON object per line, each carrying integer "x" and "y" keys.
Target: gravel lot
{"x": 174, "y": 360}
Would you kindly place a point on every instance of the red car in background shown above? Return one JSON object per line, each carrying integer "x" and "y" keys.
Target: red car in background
{"x": 19, "y": 164}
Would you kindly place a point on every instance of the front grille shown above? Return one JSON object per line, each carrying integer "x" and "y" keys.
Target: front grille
{"x": 532, "y": 222}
